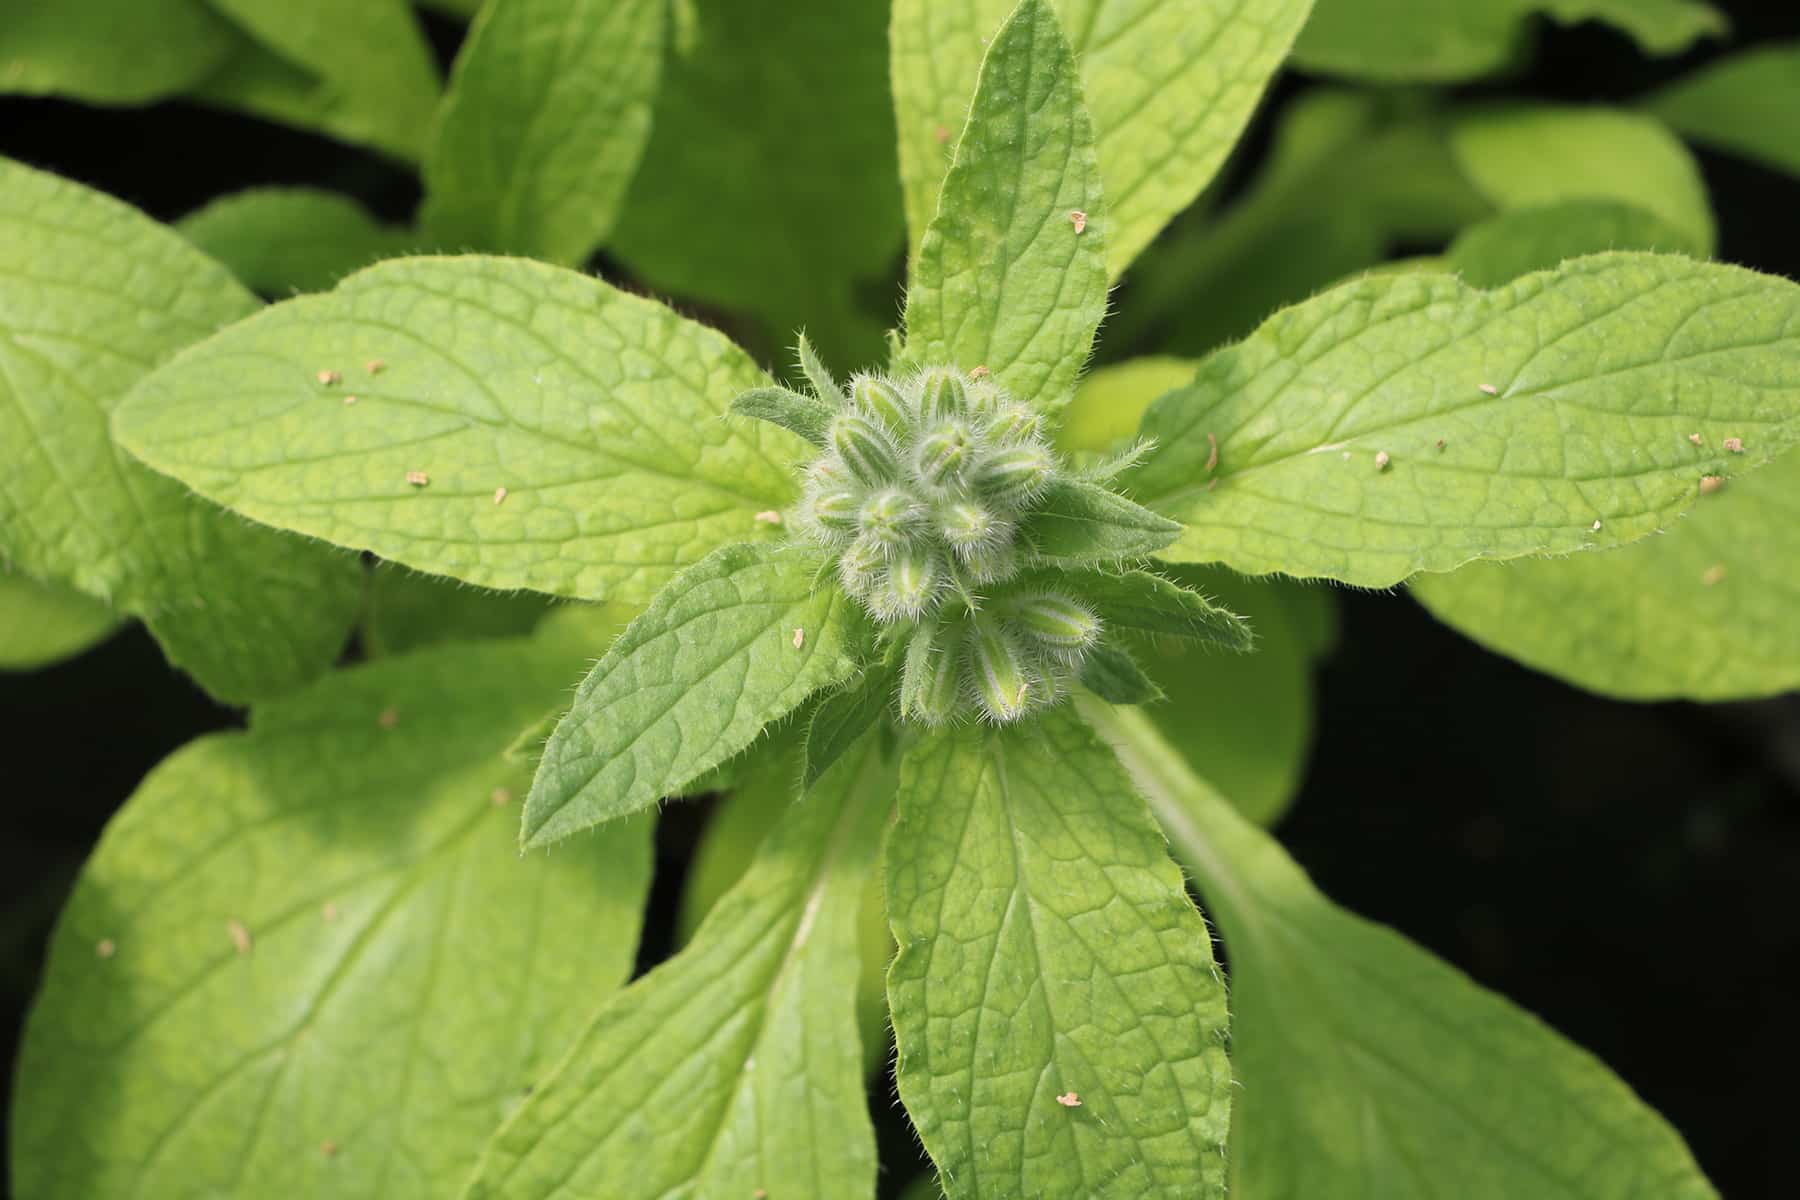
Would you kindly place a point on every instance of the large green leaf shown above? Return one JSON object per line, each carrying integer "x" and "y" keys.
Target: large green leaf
{"x": 1171, "y": 84}
{"x": 601, "y": 414}
{"x": 1705, "y": 612}
{"x": 1408, "y": 423}
{"x": 733, "y": 1069}
{"x": 1367, "y": 1068}
{"x": 41, "y": 624}
{"x": 110, "y": 51}
{"x": 1049, "y": 955}
{"x": 540, "y": 132}
{"x": 1439, "y": 41}
{"x": 356, "y": 68}
{"x": 770, "y": 184}
{"x": 1527, "y": 154}
{"x": 307, "y": 961}
{"x": 93, "y": 295}
{"x": 1011, "y": 274}
{"x": 278, "y": 241}
{"x": 407, "y": 610}
{"x": 1747, "y": 104}
{"x": 732, "y": 644}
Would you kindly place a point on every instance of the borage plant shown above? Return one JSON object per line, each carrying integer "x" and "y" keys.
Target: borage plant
{"x": 904, "y": 621}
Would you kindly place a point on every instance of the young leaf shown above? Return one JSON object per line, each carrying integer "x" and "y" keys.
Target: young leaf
{"x": 803, "y": 416}
{"x": 734, "y": 1067}
{"x": 1704, "y": 612}
{"x": 540, "y": 132}
{"x": 1111, "y": 673}
{"x": 844, "y": 717}
{"x": 1431, "y": 41}
{"x": 1527, "y": 154}
{"x": 1748, "y": 104}
{"x": 93, "y": 296}
{"x": 1510, "y": 420}
{"x": 308, "y": 960}
{"x": 569, "y": 438}
{"x": 278, "y": 241}
{"x": 1171, "y": 84}
{"x": 1050, "y": 957}
{"x": 1361, "y": 1057}
{"x": 368, "y": 66}
{"x": 1011, "y": 273}
{"x": 111, "y": 51}
{"x": 732, "y": 644}
{"x": 1541, "y": 238}
{"x": 41, "y": 624}
{"x": 1079, "y": 522}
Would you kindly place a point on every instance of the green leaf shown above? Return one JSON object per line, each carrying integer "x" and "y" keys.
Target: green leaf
{"x": 1360, "y": 1057}
{"x": 1150, "y": 603}
{"x": 601, "y": 414}
{"x": 1171, "y": 84}
{"x": 41, "y": 624}
{"x": 1047, "y": 947}
{"x": 110, "y": 51}
{"x": 1704, "y": 612}
{"x": 842, "y": 718}
{"x": 734, "y": 643}
{"x": 1501, "y": 249}
{"x": 307, "y": 960}
{"x": 734, "y": 1067}
{"x": 547, "y": 113}
{"x": 770, "y": 183}
{"x": 803, "y": 416}
{"x": 93, "y": 295}
{"x": 1111, "y": 673}
{"x": 1529, "y": 154}
{"x": 1432, "y": 41}
{"x": 1748, "y": 104}
{"x": 278, "y": 241}
{"x": 359, "y": 69}
{"x": 407, "y": 610}
{"x": 1007, "y": 276}
{"x": 1598, "y": 370}
{"x": 1110, "y": 401}
{"x": 1077, "y": 522}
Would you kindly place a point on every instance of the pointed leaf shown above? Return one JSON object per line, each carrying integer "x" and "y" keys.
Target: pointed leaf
{"x": 1048, "y": 949}
{"x": 1150, "y": 603}
{"x": 1111, "y": 673}
{"x": 41, "y": 624}
{"x": 1079, "y": 522}
{"x": 1365, "y": 1062}
{"x": 111, "y": 51}
{"x": 734, "y": 1067}
{"x": 308, "y": 961}
{"x": 734, "y": 643}
{"x": 1543, "y": 237}
{"x": 1598, "y": 372}
{"x": 1011, "y": 273}
{"x": 92, "y": 297}
{"x": 1747, "y": 103}
{"x": 538, "y": 137}
{"x": 803, "y": 416}
{"x": 278, "y": 241}
{"x": 842, "y": 718}
{"x": 601, "y": 415}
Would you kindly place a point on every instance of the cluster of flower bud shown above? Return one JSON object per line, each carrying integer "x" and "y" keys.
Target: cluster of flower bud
{"x": 922, "y": 489}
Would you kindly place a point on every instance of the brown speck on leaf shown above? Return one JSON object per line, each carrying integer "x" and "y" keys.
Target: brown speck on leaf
{"x": 375, "y": 366}
{"x": 328, "y": 1148}
{"x": 388, "y": 718}
{"x": 759, "y": 1194}
{"x": 329, "y": 912}
{"x": 1595, "y": 527}
{"x": 330, "y": 378}
{"x": 240, "y": 937}
{"x": 1713, "y": 574}
{"x": 1734, "y": 445}
{"x": 1212, "y": 453}
{"x": 349, "y": 400}
{"x": 417, "y": 478}
{"x": 105, "y": 948}
{"x": 1078, "y": 219}
{"x": 1490, "y": 389}
{"x": 1069, "y": 1100}
{"x": 1696, "y": 439}
{"x": 1440, "y": 444}
{"x": 1382, "y": 460}
{"x": 978, "y": 372}
{"x": 941, "y": 133}
{"x": 501, "y": 797}
{"x": 1710, "y": 484}
{"x": 499, "y": 495}
{"x": 799, "y": 638}
{"x": 768, "y": 517}
{"x": 1212, "y": 483}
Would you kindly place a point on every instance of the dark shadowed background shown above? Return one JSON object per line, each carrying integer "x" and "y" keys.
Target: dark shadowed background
{"x": 1628, "y": 872}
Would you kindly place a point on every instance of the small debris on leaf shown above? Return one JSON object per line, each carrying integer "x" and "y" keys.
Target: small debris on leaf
{"x": 799, "y": 638}
{"x": 417, "y": 478}
{"x": 1710, "y": 484}
{"x": 768, "y": 517}
{"x": 375, "y": 366}
{"x": 328, "y": 1148}
{"x": 349, "y": 400}
{"x": 240, "y": 937}
{"x": 1696, "y": 439}
{"x": 1734, "y": 445}
{"x": 1595, "y": 527}
{"x": 1078, "y": 219}
{"x": 1212, "y": 483}
{"x": 1382, "y": 460}
{"x": 1440, "y": 445}
{"x": 942, "y": 133}
{"x": 1069, "y": 1100}
{"x": 388, "y": 718}
{"x": 330, "y": 378}
{"x": 499, "y": 495}
{"x": 329, "y": 912}
{"x": 980, "y": 372}
{"x": 1212, "y": 454}
{"x": 1490, "y": 389}
{"x": 1713, "y": 574}
{"x": 501, "y": 797}
{"x": 105, "y": 948}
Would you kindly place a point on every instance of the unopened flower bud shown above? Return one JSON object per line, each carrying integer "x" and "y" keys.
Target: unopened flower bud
{"x": 944, "y": 395}
{"x": 945, "y": 453}
{"x": 835, "y": 508}
{"x": 883, "y": 401}
{"x": 931, "y": 680}
{"x": 911, "y": 587}
{"x": 1055, "y": 622}
{"x": 1003, "y": 683}
{"x": 862, "y": 567}
{"x": 888, "y": 517}
{"x": 1015, "y": 424}
{"x": 1015, "y": 475}
{"x": 865, "y": 448}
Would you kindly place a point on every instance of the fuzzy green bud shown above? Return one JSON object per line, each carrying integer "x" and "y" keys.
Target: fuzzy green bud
{"x": 1015, "y": 424}
{"x": 943, "y": 396}
{"x": 883, "y": 401}
{"x": 862, "y": 567}
{"x": 888, "y": 517}
{"x": 835, "y": 508}
{"x": 865, "y": 448}
{"x": 1004, "y": 685}
{"x": 931, "y": 680}
{"x": 945, "y": 453}
{"x": 1056, "y": 623}
{"x": 1015, "y": 475}
{"x": 911, "y": 587}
